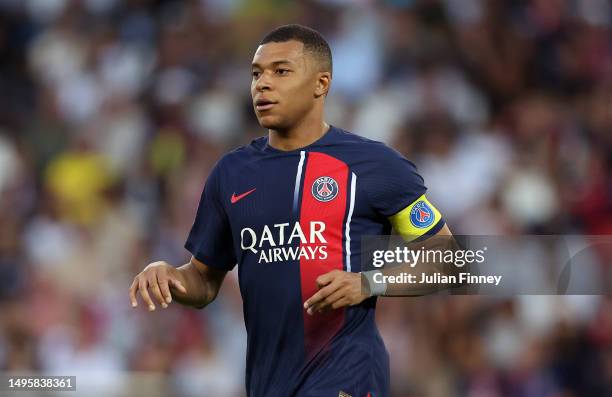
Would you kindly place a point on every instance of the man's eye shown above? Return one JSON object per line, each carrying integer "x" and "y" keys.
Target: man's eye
{"x": 282, "y": 72}
{"x": 255, "y": 74}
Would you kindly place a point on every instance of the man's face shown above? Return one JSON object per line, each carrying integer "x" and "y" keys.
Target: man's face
{"x": 283, "y": 85}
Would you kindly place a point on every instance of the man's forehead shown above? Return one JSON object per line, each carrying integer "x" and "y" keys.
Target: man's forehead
{"x": 291, "y": 51}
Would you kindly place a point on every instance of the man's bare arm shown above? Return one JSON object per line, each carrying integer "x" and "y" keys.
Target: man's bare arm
{"x": 193, "y": 284}
{"x": 203, "y": 281}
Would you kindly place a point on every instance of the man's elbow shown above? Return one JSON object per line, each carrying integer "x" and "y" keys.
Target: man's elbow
{"x": 211, "y": 279}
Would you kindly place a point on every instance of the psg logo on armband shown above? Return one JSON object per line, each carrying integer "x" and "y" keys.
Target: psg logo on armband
{"x": 325, "y": 189}
{"x": 422, "y": 215}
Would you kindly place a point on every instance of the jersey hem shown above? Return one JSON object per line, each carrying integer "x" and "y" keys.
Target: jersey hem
{"x": 206, "y": 259}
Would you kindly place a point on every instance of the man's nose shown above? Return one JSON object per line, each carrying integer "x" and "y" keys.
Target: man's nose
{"x": 263, "y": 82}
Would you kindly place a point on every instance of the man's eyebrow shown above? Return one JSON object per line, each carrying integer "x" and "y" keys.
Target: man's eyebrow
{"x": 279, "y": 62}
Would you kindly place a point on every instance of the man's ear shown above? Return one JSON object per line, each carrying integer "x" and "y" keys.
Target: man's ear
{"x": 323, "y": 82}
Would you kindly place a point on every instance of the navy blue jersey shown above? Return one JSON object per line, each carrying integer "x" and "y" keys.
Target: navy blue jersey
{"x": 286, "y": 217}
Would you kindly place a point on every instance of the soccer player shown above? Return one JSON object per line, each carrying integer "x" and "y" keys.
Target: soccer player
{"x": 289, "y": 209}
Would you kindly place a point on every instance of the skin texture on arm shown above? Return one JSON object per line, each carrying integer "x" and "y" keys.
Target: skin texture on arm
{"x": 193, "y": 284}
{"x": 203, "y": 281}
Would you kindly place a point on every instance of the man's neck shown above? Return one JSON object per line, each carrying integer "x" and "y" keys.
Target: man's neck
{"x": 298, "y": 137}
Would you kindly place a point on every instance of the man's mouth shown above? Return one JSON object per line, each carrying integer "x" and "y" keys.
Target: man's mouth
{"x": 264, "y": 104}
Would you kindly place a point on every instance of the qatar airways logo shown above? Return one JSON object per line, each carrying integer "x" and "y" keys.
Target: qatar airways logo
{"x": 281, "y": 242}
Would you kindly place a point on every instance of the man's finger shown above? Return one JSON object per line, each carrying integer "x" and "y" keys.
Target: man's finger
{"x": 162, "y": 281}
{"x": 133, "y": 290}
{"x": 156, "y": 291}
{"x": 325, "y": 279}
{"x": 178, "y": 285}
{"x": 342, "y": 302}
{"x": 320, "y": 295}
{"x": 328, "y": 301}
{"x": 142, "y": 286}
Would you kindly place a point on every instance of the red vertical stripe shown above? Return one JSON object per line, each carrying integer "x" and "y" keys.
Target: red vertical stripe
{"x": 320, "y": 328}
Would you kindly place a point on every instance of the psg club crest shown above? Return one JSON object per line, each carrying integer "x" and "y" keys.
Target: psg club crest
{"x": 421, "y": 215}
{"x": 325, "y": 189}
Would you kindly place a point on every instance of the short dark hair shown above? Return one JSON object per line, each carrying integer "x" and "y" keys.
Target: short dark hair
{"x": 313, "y": 41}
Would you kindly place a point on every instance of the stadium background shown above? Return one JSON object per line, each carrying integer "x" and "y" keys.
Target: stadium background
{"x": 113, "y": 112}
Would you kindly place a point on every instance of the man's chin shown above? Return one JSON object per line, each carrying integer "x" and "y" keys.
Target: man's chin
{"x": 270, "y": 122}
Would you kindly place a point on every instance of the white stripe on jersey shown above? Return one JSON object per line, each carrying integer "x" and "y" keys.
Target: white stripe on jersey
{"x": 298, "y": 180}
{"x": 348, "y": 222}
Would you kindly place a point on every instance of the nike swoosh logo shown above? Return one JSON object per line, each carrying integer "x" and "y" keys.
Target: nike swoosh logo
{"x": 235, "y": 198}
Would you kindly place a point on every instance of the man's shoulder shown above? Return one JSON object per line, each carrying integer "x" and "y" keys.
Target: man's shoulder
{"x": 368, "y": 148}
{"x": 351, "y": 137}
{"x": 241, "y": 153}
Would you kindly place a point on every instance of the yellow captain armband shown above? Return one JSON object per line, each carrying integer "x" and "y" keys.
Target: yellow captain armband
{"x": 416, "y": 219}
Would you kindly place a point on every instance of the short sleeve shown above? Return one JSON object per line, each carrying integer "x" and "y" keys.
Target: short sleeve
{"x": 391, "y": 181}
{"x": 210, "y": 239}
{"x": 397, "y": 191}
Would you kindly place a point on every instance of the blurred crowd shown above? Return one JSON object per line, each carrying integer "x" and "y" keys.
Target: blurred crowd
{"x": 112, "y": 113}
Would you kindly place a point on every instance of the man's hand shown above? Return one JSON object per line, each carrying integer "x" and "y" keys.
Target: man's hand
{"x": 159, "y": 277}
{"x": 336, "y": 289}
